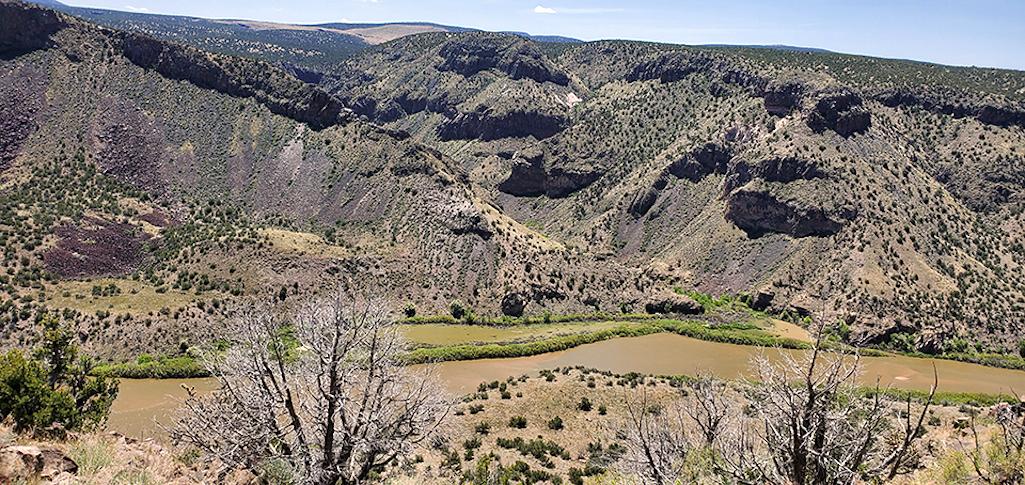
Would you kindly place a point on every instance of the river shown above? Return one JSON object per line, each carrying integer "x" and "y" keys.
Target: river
{"x": 143, "y": 402}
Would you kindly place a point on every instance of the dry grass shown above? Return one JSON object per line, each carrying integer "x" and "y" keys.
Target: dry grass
{"x": 136, "y": 297}
{"x": 538, "y": 400}
{"x": 303, "y": 243}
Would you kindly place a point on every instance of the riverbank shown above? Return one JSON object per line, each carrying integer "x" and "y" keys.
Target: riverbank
{"x": 573, "y": 333}
{"x": 509, "y": 419}
{"x": 508, "y": 338}
{"x": 142, "y": 401}
{"x": 543, "y": 410}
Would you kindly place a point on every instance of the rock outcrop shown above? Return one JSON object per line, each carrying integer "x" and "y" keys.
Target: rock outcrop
{"x": 672, "y": 303}
{"x": 645, "y": 197}
{"x": 762, "y": 300}
{"x": 759, "y": 213}
{"x": 484, "y": 124}
{"x": 1001, "y": 116}
{"x": 511, "y": 55}
{"x": 675, "y": 66}
{"x": 788, "y": 169}
{"x": 990, "y": 114}
{"x": 514, "y": 303}
{"x": 670, "y": 67}
{"x": 30, "y": 464}
{"x": 702, "y": 161}
{"x": 531, "y": 177}
{"x": 842, "y": 112}
{"x": 781, "y": 99}
{"x": 282, "y": 93}
{"x": 25, "y": 28}
{"x": 778, "y": 169}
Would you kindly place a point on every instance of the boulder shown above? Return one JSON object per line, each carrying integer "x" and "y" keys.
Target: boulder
{"x": 241, "y": 477}
{"x": 842, "y": 112}
{"x": 513, "y": 304}
{"x": 762, "y": 300}
{"x": 31, "y": 463}
{"x": 673, "y": 303}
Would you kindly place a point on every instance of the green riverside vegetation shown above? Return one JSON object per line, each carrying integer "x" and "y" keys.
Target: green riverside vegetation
{"x": 630, "y": 325}
{"x": 165, "y": 367}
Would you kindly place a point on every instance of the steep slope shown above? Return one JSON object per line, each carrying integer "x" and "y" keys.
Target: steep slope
{"x": 888, "y": 193}
{"x": 147, "y": 186}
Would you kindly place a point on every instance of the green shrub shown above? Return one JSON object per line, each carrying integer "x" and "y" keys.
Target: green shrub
{"x": 180, "y": 367}
{"x": 518, "y": 422}
{"x": 584, "y": 404}
{"x": 539, "y": 448}
{"x": 472, "y": 352}
{"x": 555, "y": 423}
{"x": 51, "y": 391}
{"x": 457, "y": 310}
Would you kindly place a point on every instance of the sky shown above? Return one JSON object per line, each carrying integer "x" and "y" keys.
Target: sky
{"x": 989, "y": 33}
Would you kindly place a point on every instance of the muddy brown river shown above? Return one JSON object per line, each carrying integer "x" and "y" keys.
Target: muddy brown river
{"x": 143, "y": 403}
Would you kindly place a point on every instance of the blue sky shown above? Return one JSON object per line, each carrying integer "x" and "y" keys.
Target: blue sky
{"x": 961, "y": 32}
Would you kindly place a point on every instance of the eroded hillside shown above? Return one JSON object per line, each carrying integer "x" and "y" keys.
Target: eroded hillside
{"x": 514, "y": 175}
{"x": 888, "y": 193}
{"x": 147, "y": 186}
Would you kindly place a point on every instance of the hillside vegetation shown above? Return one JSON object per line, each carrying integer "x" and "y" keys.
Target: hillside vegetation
{"x": 152, "y": 184}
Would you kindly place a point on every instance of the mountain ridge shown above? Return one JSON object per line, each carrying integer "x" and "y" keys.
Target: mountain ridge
{"x": 515, "y": 176}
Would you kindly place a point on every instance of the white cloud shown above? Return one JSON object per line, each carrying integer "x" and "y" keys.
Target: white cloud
{"x": 136, "y": 9}
{"x": 560, "y": 10}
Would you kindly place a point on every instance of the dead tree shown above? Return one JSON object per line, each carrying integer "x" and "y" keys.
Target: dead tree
{"x": 711, "y": 406}
{"x": 1003, "y": 459}
{"x": 320, "y": 392}
{"x": 656, "y": 441}
{"x": 810, "y": 424}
